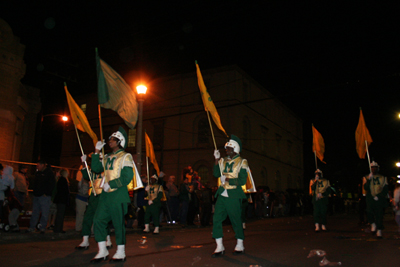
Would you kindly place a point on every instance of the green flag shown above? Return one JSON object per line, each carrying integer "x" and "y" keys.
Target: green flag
{"x": 114, "y": 93}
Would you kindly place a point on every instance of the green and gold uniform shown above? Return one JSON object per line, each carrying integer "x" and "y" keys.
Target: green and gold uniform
{"x": 236, "y": 170}
{"x": 320, "y": 199}
{"x": 113, "y": 205}
{"x": 376, "y": 186}
{"x": 155, "y": 194}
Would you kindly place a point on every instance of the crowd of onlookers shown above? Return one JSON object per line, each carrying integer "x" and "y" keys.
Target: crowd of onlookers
{"x": 188, "y": 202}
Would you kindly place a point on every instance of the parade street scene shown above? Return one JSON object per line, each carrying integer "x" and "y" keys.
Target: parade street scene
{"x": 196, "y": 133}
{"x": 279, "y": 242}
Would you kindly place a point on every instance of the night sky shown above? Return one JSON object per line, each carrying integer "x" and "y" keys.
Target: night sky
{"x": 323, "y": 61}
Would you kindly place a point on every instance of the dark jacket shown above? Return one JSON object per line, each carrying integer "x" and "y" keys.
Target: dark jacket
{"x": 44, "y": 183}
{"x": 62, "y": 195}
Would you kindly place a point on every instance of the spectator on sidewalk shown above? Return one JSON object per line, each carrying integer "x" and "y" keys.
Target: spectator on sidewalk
{"x": 173, "y": 198}
{"x": 21, "y": 184}
{"x": 61, "y": 200}
{"x": 81, "y": 200}
{"x": 43, "y": 185}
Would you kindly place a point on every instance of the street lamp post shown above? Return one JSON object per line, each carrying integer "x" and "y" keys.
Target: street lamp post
{"x": 141, "y": 91}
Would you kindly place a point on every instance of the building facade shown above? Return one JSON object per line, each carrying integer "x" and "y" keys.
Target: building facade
{"x": 19, "y": 104}
{"x": 175, "y": 120}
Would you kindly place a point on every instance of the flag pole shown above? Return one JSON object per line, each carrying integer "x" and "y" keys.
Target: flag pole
{"x": 86, "y": 166}
{"x": 315, "y": 157}
{"x": 100, "y": 123}
{"x": 147, "y": 166}
{"x": 369, "y": 161}
{"x": 212, "y": 132}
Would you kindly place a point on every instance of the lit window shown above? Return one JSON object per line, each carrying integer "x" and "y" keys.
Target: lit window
{"x": 83, "y": 107}
{"x": 132, "y": 138}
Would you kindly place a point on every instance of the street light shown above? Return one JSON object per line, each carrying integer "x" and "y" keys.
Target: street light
{"x": 141, "y": 91}
{"x": 398, "y": 164}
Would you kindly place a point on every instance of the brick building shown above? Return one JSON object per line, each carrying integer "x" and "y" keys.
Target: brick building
{"x": 19, "y": 104}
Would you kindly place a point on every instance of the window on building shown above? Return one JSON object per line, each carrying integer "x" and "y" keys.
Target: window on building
{"x": 246, "y": 132}
{"x": 264, "y": 144}
{"x": 278, "y": 181}
{"x": 264, "y": 176}
{"x": 131, "y": 138}
{"x": 278, "y": 139}
{"x": 203, "y": 173}
{"x": 290, "y": 182}
{"x": 202, "y": 131}
{"x": 158, "y": 135}
{"x": 83, "y": 107}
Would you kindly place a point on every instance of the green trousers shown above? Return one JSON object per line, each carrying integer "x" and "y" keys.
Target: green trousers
{"x": 320, "y": 210}
{"x": 231, "y": 207}
{"x": 89, "y": 215}
{"x": 375, "y": 213}
{"x": 110, "y": 211}
{"x": 152, "y": 211}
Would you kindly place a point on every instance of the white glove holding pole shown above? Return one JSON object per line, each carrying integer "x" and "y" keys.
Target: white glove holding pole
{"x": 150, "y": 202}
{"x": 217, "y": 155}
{"x": 147, "y": 188}
{"x": 376, "y": 198}
{"x": 370, "y": 176}
{"x": 316, "y": 177}
{"x": 100, "y": 144}
{"x": 106, "y": 187}
{"x": 223, "y": 177}
{"x": 83, "y": 158}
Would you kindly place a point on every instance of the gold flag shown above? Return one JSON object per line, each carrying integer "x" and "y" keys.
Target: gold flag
{"x": 362, "y": 135}
{"x": 150, "y": 154}
{"x": 78, "y": 117}
{"x": 207, "y": 101}
{"x": 318, "y": 144}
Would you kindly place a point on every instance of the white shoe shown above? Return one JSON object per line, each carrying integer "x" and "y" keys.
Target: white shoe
{"x": 316, "y": 227}
{"x": 119, "y": 255}
{"x": 219, "y": 251}
{"x": 239, "y": 249}
{"x": 156, "y": 230}
{"x": 244, "y": 226}
{"x": 323, "y": 227}
{"x": 146, "y": 228}
{"x": 373, "y": 227}
{"x": 84, "y": 244}
{"x": 102, "y": 255}
{"x": 379, "y": 233}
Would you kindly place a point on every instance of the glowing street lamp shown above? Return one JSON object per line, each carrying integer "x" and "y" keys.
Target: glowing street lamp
{"x": 141, "y": 91}
{"x": 398, "y": 164}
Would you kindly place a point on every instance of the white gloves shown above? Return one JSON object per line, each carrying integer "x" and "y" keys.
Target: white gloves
{"x": 147, "y": 188}
{"x": 217, "y": 155}
{"x": 150, "y": 202}
{"x": 83, "y": 158}
{"x": 370, "y": 176}
{"x": 106, "y": 187}
{"x": 376, "y": 198}
{"x": 223, "y": 177}
{"x": 317, "y": 177}
{"x": 100, "y": 144}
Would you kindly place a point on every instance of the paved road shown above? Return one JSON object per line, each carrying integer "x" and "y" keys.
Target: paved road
{"x": 270, "y": 242}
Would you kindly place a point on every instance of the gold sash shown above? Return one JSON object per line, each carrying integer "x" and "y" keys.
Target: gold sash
{"x": 377, "y": 183}
{"x": 114, "y": 165}
{"x": 231, "y": 168}
{"x": 321, "y": 186}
